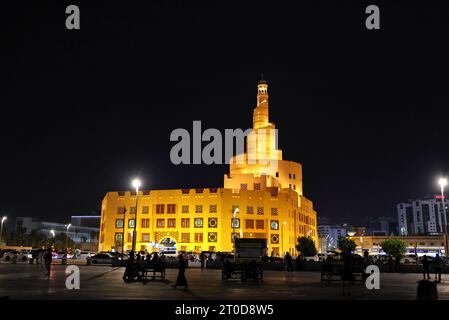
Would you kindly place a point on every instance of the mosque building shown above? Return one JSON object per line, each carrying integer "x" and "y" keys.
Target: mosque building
{"x": 262, "y": 197}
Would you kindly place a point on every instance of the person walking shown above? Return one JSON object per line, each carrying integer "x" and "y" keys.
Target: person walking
{"x": 202, "y": 260}
{"x": 438, "y": 266}
{"x": 425, "y": 267}
{"x": 48, "y": 257}
{"x": 181, "y": 279}
{"x": 347, "y": 277}
{"x": 288, "y": 261}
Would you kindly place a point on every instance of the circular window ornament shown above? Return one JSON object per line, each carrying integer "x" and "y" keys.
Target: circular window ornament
{"x": 212, "y": 237}
{"x": 212, "y": 223}
{"x": 274, "y": 238}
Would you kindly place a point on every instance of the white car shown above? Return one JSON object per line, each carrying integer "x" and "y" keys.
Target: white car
{"x": 21, "y": 255}
{"x": 86, "y": 254}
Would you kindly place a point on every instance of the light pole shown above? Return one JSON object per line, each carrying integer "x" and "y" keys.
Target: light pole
{"x": 67, "y": 235}
{"x": 52, "y": 232}
{"x": 443, "y": 183}
{"x": 1, "y": 229}
{"x": 136, "y": 183}
{"x": 236, "y": 210}
{"x": 282, "y": 236}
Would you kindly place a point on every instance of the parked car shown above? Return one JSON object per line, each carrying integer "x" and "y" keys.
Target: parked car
{"x": 101, "y": 258}
{"x": 86, "y": 254}
{"x": 21, "y": 255}
{"x": 60, "y": 255}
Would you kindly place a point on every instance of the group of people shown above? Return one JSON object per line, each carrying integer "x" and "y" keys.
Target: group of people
{"x": 437, "y": 264}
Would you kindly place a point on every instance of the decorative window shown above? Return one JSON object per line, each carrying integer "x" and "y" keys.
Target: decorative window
{"x": 213, "y": 190}
{"x": 145, "y": 223}
{"x": 294, "y": 176}
{"x": 289, "y": 175}
{"x": 260, "y": 224}
{"x": 199, "y": 190}
{"x": 198, "y": 237}
{"x": 185, "y": 223}
{"x": 171, "y": 208}
{"x": 198, "y": 222}
{"x": 249, "y": 224}
{"x": 121, "y": 193}
{"x": 235, "y": 209}
{"x": 244, "y": 186}
{"x": 185, "y": 209}
{"x": 145, "y": 209}
{"x": 274, "y": 224}
{"x": 185, "y": 191}
{"x": 132, "y": 210}
{"x": 274, "y": 211}
{"x": 185, "y": 237}
{"x": 160, "y": 223}
{"x": 259, "y": 210}
{"x": 235, "y": 223}
{"x": 119, "y": 223}
{"x": 171, "y": 223}
{"x": 131, "y": 223}
{"x": 249, "y": 210}
{"x": 145, "y": 237}
{"x": 160, "y": 208}
{"x": 121, "y": 210}
{"x": 274, "y": 238}
{"x": 118, "y": 237}
{"x": 213, "y": 222}
{"x": 199, "y": 208}
{"x": 257, "y": 186}
{"x": 130, "y": 237}
{"x": 212, "y": 237}
{"x": 213, "y": 208}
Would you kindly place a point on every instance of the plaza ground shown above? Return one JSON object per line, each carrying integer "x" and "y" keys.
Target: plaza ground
{"x": 25, "y": 281}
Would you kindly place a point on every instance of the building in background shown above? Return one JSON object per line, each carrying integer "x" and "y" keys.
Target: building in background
{"x": 421, "y": 217}
{"x": 84, "y": 236}
{"x": 92, "y": 221}
{"x": 416, "y": 245}
{"x": 258, "y": 200}
{"x": 382, "y": 226}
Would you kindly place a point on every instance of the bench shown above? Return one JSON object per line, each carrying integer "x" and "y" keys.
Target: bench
{"x": 334, "y": 274}
{"x": 151, "y": 270}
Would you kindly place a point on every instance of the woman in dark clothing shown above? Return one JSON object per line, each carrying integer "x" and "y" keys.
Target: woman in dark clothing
{"x": 347, "y": 277}
{"x": 181, "y": 280}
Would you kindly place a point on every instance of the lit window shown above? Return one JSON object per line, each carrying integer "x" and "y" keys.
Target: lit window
{"x": 274, "y": 225}
{"x": 131, "y": 223}
{"x": 119, "y": 223}
{"x": 198, "y": 223}
{"x": 145, "y": 237}
{"x": 235, "y": 223}
{"x": 171, "y": 223}
{"x": 160, "y": 223}
{"x": 185, "y": 209}
{"x": 185, "y": 223}
{"x": 249, "y": 210}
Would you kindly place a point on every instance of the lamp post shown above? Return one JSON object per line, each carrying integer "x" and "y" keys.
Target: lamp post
{"x": 52, "y": 232}
{"x": 136, "y": 183}
{"x": 67, "y": 235}
{"x": 443, "y": 183}
{"x": 236, "y": 210}
{"x": 1, "y": 229}
{"x": 282, "y": 236}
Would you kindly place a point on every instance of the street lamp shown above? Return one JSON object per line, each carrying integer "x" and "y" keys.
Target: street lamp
{"x": 236, "y": 210}
{"x": 67, "y": 235}
{"x": 282, "y": 236}
{"x": 52, "y": 232}
{"x": 136, "y": 183}
{"x": 1, "y": 229}
{"x": 443, "y": 182}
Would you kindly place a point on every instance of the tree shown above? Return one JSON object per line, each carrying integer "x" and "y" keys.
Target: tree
{"x": 394, "y": 247}
{"x": 306, "y": 246}
{"x": 346, "y": 245}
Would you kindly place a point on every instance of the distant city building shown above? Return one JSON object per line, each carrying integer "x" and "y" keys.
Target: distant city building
{"x": 78, "y": 233}
{"x": 381, "y": 226}
{"x": 328, "y": 236}
{"x": 423, "y": 216}
{"x": 428, "y": 245}
{"x": 92, "y": 221}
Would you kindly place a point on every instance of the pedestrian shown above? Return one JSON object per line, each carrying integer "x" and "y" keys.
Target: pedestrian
{"x": 425, "y": 267}
{"x": 347, "y": 277}
{"x": 181, "y": 279}
{"x": 202, "y": 260}
{"x": 48, "y": 257}
{"x": 288, "y": 261}
{"x": 438, "y": 266}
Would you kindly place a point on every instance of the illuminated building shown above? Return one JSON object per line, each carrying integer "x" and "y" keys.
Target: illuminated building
{"x": 266, "y": 198}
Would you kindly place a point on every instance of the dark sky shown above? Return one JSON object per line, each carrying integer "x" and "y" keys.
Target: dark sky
{"x": 82, "y": 112}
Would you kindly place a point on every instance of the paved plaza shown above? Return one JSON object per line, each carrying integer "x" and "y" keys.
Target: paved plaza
{"x": 24, "y": 281}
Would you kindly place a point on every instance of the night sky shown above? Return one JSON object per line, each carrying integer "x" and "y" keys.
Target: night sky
{"x": 84, "y": 111}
